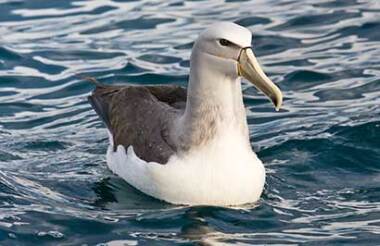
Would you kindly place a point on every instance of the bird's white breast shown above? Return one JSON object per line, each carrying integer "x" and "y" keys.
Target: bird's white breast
{"x": 223, "y": 172}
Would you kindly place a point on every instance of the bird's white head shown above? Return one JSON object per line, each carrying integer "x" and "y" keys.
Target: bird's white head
{"x": 224, "y": 40}
{"x": 224, "y": 49}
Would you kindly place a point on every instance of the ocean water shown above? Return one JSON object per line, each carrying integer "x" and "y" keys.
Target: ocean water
{"x": 321, "y": 151}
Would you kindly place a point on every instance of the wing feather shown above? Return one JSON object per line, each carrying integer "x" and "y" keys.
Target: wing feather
{"x": 140, "y": 116}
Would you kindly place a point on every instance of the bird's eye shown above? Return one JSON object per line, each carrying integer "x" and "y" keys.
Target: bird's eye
{"x": 224, "y": 42}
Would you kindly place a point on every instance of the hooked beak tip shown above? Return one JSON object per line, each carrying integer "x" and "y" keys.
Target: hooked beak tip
{"x": 277, "y": 101}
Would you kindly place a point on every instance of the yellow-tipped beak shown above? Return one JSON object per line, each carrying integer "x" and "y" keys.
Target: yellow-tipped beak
{"x": 250, "y": 69}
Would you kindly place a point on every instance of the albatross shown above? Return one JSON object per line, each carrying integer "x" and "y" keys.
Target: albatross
{"x": 190, "y": 146}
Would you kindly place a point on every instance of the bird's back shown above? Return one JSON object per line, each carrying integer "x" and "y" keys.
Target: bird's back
{"x": 140, "y": 116}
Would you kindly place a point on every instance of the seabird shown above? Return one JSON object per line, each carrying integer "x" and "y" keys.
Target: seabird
{"x": 190, "y": 147}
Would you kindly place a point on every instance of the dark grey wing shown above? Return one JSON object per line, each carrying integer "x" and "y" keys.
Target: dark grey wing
{"x": 140, "y": 116}
{"x": 175, "y": 96}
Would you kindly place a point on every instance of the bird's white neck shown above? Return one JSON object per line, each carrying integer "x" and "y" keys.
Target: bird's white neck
{"x": 214, "y": 101}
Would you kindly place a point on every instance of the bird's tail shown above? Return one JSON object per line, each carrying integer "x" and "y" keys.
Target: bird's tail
{"x": 93, "y": 81}
{"x": 98, "y": 99}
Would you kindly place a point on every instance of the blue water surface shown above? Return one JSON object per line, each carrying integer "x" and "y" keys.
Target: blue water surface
{"x": 321, "y": 151}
